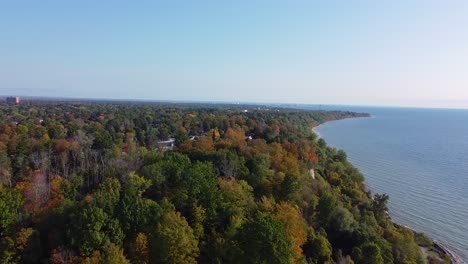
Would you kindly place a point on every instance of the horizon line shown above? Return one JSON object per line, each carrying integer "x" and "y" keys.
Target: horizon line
{"x": 217, "y": 101}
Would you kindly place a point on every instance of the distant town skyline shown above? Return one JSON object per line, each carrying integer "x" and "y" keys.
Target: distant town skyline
{"x": 397, "y": 53}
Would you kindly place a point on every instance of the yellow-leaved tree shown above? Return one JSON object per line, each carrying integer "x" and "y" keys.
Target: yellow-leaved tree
{"x": 175, "y": 241}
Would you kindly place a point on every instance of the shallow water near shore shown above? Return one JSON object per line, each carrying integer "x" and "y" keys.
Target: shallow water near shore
{"x": 417, "y": 156}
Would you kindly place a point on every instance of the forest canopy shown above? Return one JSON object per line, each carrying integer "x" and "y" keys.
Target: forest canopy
{"x": 117, "y": 182}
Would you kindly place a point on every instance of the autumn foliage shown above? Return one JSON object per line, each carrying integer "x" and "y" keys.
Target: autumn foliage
{"x": 84, "y": 182}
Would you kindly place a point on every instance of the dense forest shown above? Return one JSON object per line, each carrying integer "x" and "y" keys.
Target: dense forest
{"x": 119, "y": 182}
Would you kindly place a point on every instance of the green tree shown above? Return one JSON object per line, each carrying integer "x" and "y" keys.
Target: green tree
{"x": 90, "y": 229}
{"x": 371, "y": 254}
{"x": 379, "y": 206}
{"x": 326, "y": 205}
{"x": 237, "y": 199}
{"x": 155, "y": 173}
{"x": 200, "y": 180}
{"x": 174, "y": 241}
{"x": 131, "y": 211}
{"x": 341, "y": 227}
{"x": 86, "y": 229}
{"x": 24, "y": 247}
{"x": 11, "y": 202}
{"x": 107, "y": 195}
{"x": 341, "y": 220}
{"x": 317, "y": 249}
{"x": 173, "y": 167}
{"x": 230, "y": 164}
{"x": 405, "y": 250}
{"x": 181, "y": 136}
{"x": 340, "y": 156}
{"x": 102, "y": 140}
{"x": 259, "y": 172}
{"x": 289, "y": 186}
{"x": 264, "y": 240}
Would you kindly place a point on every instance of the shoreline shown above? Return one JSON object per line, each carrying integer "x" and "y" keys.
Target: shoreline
{"x": 439, "y": 246}
{"x": 454, "y": 258}
{"x": 315, "y": 127}
{"x": 315, "y": 132}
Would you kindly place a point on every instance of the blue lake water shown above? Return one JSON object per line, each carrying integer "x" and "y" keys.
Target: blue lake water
{"x": 417, "y": 156}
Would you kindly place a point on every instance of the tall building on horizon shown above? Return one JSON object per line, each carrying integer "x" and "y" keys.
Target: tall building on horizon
{"x": 13, "y": 100}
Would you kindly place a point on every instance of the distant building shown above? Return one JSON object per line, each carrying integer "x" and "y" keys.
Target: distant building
{"x": 13, "y": 100}
{"x": 166, "y": 144}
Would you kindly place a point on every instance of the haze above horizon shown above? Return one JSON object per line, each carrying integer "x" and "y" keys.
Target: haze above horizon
{"x": 396, "y": 53}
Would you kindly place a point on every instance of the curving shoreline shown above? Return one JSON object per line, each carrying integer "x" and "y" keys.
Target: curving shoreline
{"x": 442, "y": 249}
{"x": 315, "y": 127}
{"x": 454, "y": 258}
{"x": 315, "y": 131}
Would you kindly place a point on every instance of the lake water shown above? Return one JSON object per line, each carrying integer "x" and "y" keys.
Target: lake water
{"x": 417, "y": 156}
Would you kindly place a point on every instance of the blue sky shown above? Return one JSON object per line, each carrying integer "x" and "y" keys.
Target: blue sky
{"x": 401, "y": 53}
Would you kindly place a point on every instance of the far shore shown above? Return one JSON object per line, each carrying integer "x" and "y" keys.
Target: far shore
{"x": 314, "y": 128}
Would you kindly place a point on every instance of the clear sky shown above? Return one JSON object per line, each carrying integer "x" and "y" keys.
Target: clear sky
{"x": 402, "y": 53}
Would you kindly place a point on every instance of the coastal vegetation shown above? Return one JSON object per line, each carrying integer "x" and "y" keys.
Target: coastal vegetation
{"x": 118, "y": 182}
